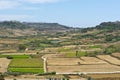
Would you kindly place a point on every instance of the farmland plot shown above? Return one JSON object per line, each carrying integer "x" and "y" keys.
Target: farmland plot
{"x": 84, "y": 68}
{"x": 26, "y": 66}
{"x": 91, "y": 60}
{"x": 117, "y": 55}
{"x": 63, "y": 61}
{"x": 83, "y": 64}
{"x": 4, "y": 64}
{"x": 109, "y": 59}
{"x": 104, "y": 75}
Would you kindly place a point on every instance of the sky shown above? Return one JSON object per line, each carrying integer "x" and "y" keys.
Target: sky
{"x": 73, "y": 13}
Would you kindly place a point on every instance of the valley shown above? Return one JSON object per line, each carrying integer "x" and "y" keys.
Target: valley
{"x": 51, "y": 50}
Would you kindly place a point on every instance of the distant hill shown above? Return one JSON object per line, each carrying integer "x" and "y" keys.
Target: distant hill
{"x": 102, "y": 33}
{"x": 109, "y": 25}
{"x": 16, "y": 28}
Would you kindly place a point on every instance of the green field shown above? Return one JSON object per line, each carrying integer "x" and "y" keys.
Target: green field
{"x": 27, "y": 70}
{"x": 16, "y": 56}
{"x": 31, "y": 65}
{"x": 64, "y": 49}
{"x": 95, "y": 46}
{"x": 73, "y": 54}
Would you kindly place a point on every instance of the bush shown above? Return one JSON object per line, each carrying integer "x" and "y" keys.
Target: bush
{"x": 9, "y": 57}
{"x": 49, "y": 73}
{"x": 22, "y": 47}
{"x": 110, "y": 49}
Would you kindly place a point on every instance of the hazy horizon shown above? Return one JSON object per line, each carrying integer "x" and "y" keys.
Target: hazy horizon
{"x": 73, "y": 13}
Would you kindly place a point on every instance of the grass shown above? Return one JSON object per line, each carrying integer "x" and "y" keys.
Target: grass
{"x": 31, "y": 65}
{"x": 73, "y": 54}
{"x": 27, "y": 70}
{"x": 16, "y": 56}
{"x": 64, "y": 49}
{"x": 81, "y": 54}
{"x": 28, "y": 63}
{"x": 95, "y": 46}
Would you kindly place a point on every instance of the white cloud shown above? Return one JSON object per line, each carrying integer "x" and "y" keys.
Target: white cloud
{"x": 40, "y": 1}
{"x": 11, "y": 4}
{"x": 7, "y": 4}
{"x": 29, "y": 8}
{"x": 15, "y": 17}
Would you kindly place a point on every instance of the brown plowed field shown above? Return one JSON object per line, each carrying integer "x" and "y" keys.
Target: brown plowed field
{"x": 4, "y": 64}
{"x": 83, "y": 64}
{"x": 116, "y": 55}
{"x": 109, "y": 59}
{"x": 63, "y": 61}
{"x": 84, "y": 68}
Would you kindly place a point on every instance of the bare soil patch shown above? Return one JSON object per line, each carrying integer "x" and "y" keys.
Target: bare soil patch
{"x": 83, "y": 64}
{"x": 62, "y": 61}
{"x": 117, "y": 55}
{"x": 91, "y": 60}
{"x": 109, "y": 59}
{"x": 103, "y": 75}
{"x": 4, "y": 64}
{"x": 84, "y": 68}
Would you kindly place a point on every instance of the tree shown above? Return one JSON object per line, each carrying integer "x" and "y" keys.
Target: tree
{"x": 1, "y": 77}
{"x": 110, "y": 49}
{"x": 22, "y": 47}
{"x": 89, "y": 78}
{"x": 76, "y": 53}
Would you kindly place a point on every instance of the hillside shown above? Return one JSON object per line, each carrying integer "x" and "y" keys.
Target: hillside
{"x": 109, "y": 25}
{"x": 16, "y": 28}
{"x": 105, "y": 32}
{"x": 44, "y": 35}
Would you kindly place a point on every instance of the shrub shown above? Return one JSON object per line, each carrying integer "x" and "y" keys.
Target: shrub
{"x": 9, "y": 57}
{"x": 49, "y": 73}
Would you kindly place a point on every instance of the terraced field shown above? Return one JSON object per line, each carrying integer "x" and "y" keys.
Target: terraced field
{"x": 26, "y": 66}
{"x": 4, "y": 64}
{"x": 91, "y": 60}
{"x": 15, "y": 56}
{"x": 105, "y": 76}
{"x": 117, "y": 55}
{"x": 82, "y": 64}
{"x": 84, "y": 68}
{"x": 109, "y": 59}
{"x": 62, "y": 61}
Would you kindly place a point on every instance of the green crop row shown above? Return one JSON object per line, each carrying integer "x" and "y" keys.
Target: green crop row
{"x": 26, "y": 63}
{"x": 26, "y": 70}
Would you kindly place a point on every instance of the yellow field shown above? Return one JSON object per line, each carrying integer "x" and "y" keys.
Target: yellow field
{"x": 109, "y": 59}
{"x": 116, "y": 55}
{"x": 4, "y": 64}
{"x": 63, "y": 61}
{"x": 83, "y": 64}
{"x": 91, "y": 60}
